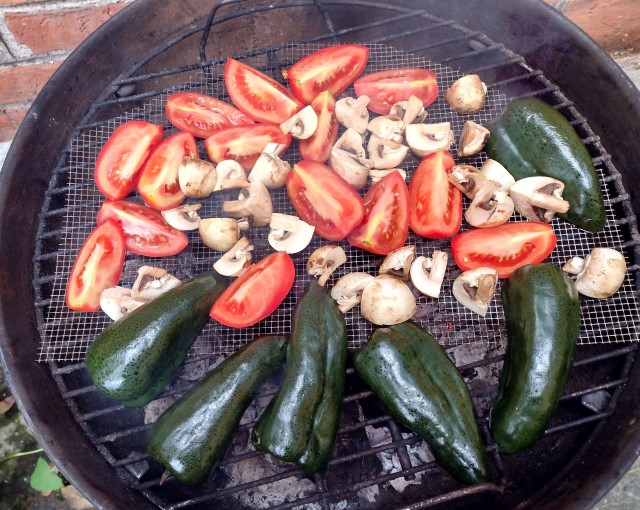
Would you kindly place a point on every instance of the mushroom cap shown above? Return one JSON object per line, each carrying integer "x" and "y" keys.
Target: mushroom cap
{"x": 474, "y": 289}
{"x": 196, "y": 177}
{"x": 152, "y": 282}
{"x": 184, "y": 217}
{"x": 302, "y": 124}
{"x": 398, "y": 262}
{"x": 388, "y": 127}
{"x": 387, "y": 300}
{"x": 467, "y": 179}
{"x": 347, "y": 291}
{"x": 254, "y": 202}
{"x": 494, "y": 171}
{"x": 219, "y": 234}
{"x": 467, "y": 94}
{"x": 603, "y": 274}
{"x": 386, "y": 154}
{"x": 117, "y": 302}
{"x": 270, "y": 170}
{"x": 352, "y": 113}
{"x": 236, "y": 260}
{"x": 427, "y": 274}
{"x": 289, "y": 233}
{"x": 423, "y": 139}
{"x": 472, "y": 139}
{"x": 324, "y": 261}
{"x": 349, "y": 167}
{"x": 538, "y": 198}
{"x": 490, "y": 207}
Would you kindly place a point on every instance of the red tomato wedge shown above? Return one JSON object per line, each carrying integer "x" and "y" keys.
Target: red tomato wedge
{"x": 145, "y": 231}
{"x": 202, "y": 115}
{"x": 324, "y": 199}
{"x": 258, "y": 96}
{"x": 435, "y": 204}
{"x": 244, "y": 144}
{"x": 318, "y": 146}
{"x": 122, "y": 157}
{"x": 386, "y": 217}
{"x": 386, "y": 88}
{"x": 330, "y": 69}
{"x": 256, "y": 293}
{"x": 505, "y": 247}
{"x": 98, "y": 266}
{"x": 158, "y": 182}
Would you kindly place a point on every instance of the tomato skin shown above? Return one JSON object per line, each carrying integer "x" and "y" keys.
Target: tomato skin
{"x": 385, "y": 88}
{"x": 435, "y": 204}
{"x": 98, "y": 266}
{"x": 202, "y": 115}
{"x": 145, "y": 231}
{"x": 318, "y": 146}
{"x": 324, "y": 199}
{"x": 257, "y": 95}
{"x": 244, "y": 143}
{"x": 330, "y": 69}
{"x": 158, "y": 182}
{"x": 256, "y": 293}
{"x": 386, "y": 217}
{"x": 505, "y": 247}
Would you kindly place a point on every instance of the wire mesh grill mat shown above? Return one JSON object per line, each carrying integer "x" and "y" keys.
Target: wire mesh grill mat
{"x": 65, "y": 335}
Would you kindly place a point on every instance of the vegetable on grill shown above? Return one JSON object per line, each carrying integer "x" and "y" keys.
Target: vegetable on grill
{"x": 532, "y": 138}
{"x": 301, "y": 422}
{"x": 135, "y": 358}
{"x": 542, "y": 314}
{"x": 195, "y": 431}
{"x": 422, "y": 388}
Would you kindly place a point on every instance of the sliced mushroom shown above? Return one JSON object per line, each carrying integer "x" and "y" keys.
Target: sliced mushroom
{"x": 427, "y": 274}
{"x": 494, "y": 171}
{"x": 324, "y": 261}
{"x": 347, "y": 291}
{"x": 385, "y": 154}
{"x": 538, "y": 198}
{"x": 387, "y": 300}
{"x": 467, "y": 94}
{"x": 270, "y": 170}
{"x": 424, "y": 139}
{"x": 353, "y": 113}
{"x": 253, "y": 203}
{"x": 348, "y": 159}
{"x": 474, "y": 289}
{"x": 230, "y": 175}
{"x": 117, "y": 302}
{"x": 152, "y": 282}
{"x": 184, "y": 217}
{"x": 388, "y": 127}
{"x": 197, "y": 178}
{"x": 490, "y": 207}
{"x": 376, "y": 175}
{"x": 289, "y": 233}
{"x": 221, "y": 234}
{"x": 302, "y": 124}
{"x": 467, "y": 179}
{"x": 411, "y": 111}
{"x": 398, "y": 262}
{"x": 472, "y": 139}
{"x": 600, "y": 275}
{"x": 236, "y": 260}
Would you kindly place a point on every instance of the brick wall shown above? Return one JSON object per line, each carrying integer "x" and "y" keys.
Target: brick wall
{"x": 36, "y": 36}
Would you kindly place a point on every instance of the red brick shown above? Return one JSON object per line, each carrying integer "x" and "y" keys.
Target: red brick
{"x": 57, "y": 30}
{"x": 10, "y": 119}
{"x": 17, "y": 2}
{"x": 22, "y": 83}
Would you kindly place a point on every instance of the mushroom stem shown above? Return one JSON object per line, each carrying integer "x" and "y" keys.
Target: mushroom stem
{"x": 574, "y": 266}
{"x": 549, "y": 202}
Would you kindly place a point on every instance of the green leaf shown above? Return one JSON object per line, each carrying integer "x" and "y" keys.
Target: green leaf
{"x": 43, "y": 479}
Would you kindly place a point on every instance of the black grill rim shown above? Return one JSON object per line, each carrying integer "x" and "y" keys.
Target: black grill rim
{"x": 19, "y": 337}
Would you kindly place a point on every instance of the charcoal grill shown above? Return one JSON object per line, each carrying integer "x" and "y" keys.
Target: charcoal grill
{"x": 126, "y": 70}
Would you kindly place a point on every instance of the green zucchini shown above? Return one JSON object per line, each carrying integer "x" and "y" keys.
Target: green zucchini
{"x": 542, "y": 314}
{"x": 192, "y": 434}
{"x": 301, "y": 422}
{"x": 422, "y": 388}
{"x": 532, "y": 138}
{"x": 134, "y": 359}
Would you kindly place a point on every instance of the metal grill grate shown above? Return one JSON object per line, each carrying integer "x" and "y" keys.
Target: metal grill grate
{"x": 365, "y": 472}
{"x": 67, "y": 334}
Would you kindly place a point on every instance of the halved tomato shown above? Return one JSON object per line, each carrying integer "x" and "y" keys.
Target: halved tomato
{"x": 256, "y": 293}
{"x": 258, "y": 96}
{"x": 145, "y": 231}
{"x": 504, "y": 248}
{"x": 202, "y": 115}
{"x": 122, "y": 157}
{"x": 435, "y": 204}
{"x": 324, "y": 199}
{"x": 98, "y": 266}
{"x": 333, "y": 69}
{"x": 244, "y": 143}
{"x": 386, "y": 216}
{"x": 158, "y": 183}
{"x": 386, "y": 88}
{"x": 318, "y": 146}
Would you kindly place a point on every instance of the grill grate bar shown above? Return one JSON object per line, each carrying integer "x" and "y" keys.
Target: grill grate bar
{"x": 606, "y": 386}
